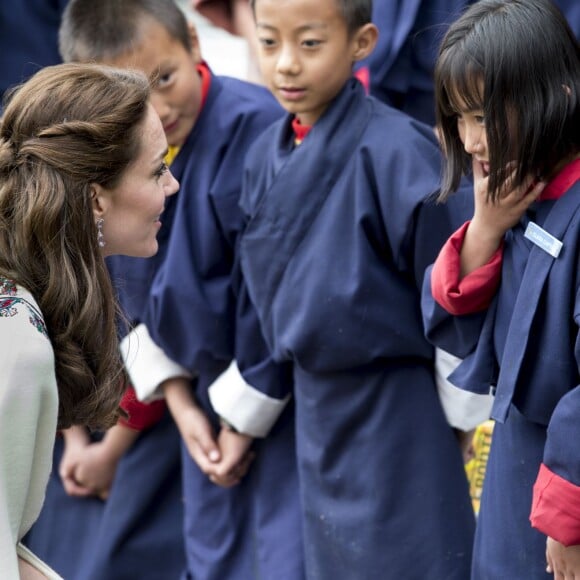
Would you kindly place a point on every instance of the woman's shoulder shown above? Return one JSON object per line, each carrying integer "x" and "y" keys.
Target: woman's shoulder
{"x": 19, "y": 310}
{"x": 27, "y": 364}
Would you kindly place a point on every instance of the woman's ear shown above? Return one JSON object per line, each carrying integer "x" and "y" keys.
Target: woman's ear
{"x": 195, "y": 47}
{"x": 99, "y": 200}
{"x": 364, "y": 41}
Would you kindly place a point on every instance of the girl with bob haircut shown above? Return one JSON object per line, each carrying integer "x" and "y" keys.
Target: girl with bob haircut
{"x": 81, "y": 177}
{"x": 504, "y": 293}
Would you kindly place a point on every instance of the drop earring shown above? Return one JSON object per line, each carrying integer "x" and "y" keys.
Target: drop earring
{"x": 100, "y": 236}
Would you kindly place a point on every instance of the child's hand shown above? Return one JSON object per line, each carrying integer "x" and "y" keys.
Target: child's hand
{"x": 76, "y": 441}
{"x": 236, "y": 458}
{"x": 493, "y": 220}
{"x": 96, "y": 469}
{"x": 199, "y": 438}
{"x": 563, "y": 562}
{"x": 194, "y": 427}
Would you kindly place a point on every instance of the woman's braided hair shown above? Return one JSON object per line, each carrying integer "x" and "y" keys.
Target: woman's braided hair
{"x": 68, "y": 127}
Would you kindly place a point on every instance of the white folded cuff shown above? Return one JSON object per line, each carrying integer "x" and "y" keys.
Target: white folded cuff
{"x": 464, "y": 410}
{"x": 245, "y": 408}
{"x": 147, "y": 365}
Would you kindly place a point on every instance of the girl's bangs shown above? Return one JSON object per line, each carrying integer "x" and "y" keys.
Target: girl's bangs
{"x": 461, "y": 80}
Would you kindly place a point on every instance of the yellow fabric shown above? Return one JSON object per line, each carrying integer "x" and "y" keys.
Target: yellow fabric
{"x": 475, "y": 468}
{"x": 172, "y": 152}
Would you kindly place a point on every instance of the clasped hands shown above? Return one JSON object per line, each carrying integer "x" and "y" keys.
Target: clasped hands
{"x": 224, "y": 457}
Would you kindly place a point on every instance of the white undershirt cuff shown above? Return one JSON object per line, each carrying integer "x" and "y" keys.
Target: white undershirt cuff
{"x": 147, "y": 365}
{"x": 464, "y": 410}
{"x": 245, "y": 408}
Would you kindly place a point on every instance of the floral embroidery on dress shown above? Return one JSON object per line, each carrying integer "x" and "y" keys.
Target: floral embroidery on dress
{"x": 9, "y": 300}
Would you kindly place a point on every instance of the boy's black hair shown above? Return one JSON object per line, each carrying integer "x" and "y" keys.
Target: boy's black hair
{"x": 525, "y": 57}
{"x": 356, "y": 13}
{"x": 94, "y": 30}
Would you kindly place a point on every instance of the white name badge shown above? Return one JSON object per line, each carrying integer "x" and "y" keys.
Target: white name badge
{"x": 543, "y": 239}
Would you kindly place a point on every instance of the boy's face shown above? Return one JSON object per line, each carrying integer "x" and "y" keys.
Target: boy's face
{"x": 175, "y": 83}
{"x": 305, "y": 53}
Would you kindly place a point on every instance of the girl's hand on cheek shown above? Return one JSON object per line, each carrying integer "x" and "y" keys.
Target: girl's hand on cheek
{"x": 496, "y": 218}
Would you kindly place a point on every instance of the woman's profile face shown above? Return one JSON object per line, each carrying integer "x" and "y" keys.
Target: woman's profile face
{"x": 132, "y": 209}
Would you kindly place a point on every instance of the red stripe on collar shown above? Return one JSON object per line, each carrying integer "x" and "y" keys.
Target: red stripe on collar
{"x": 205, "y": 75}
{"x": 300, "y": 131}
{"x": 562, "y": 182}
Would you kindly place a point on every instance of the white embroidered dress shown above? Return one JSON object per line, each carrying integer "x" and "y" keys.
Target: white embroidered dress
{"x": 28, "y": 417}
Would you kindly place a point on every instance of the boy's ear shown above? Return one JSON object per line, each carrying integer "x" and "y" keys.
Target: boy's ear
{"x": 365, "y": 40}
{"x": 195, "y": 47}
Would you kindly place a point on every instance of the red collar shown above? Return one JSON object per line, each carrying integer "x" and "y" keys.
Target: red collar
{"x": 300, "y": 131}
{"x": 363, "y": 74}
{"x": 562, "y": 182}
{"x": 205, "y": 75}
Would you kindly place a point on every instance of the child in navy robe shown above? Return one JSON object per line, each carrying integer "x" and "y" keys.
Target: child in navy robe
{"x": 340, "y": 226}
{"x": 234, "y": 527}
{"x": 400, "y": 69}
{"x": 28, "y": 39}
{"x": 401, "y": 66}
{"x": 571, "y": 10}
{"x": 504, "y": 292}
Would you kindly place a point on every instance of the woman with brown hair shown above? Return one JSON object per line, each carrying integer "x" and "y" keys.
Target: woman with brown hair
{"x": 82, "y": 177}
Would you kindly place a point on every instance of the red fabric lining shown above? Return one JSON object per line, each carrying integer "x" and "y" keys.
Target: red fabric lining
{"x": 475, "y": 291}
{"x": 556, "y": 507}
{"x": 472, "y": 293}
{"x": 205, "y": 74}
{"x": 562, "y": 182}
{"x": 363, "y": 74}
{"x": 140, "y": 415}
{"x": 300, "y": 130}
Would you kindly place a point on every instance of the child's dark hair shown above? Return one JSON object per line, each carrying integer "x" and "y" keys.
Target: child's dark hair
{"x": 95, "y": 30}
{"x": 519, "y": 62}
{"x": 356, "y": 13}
